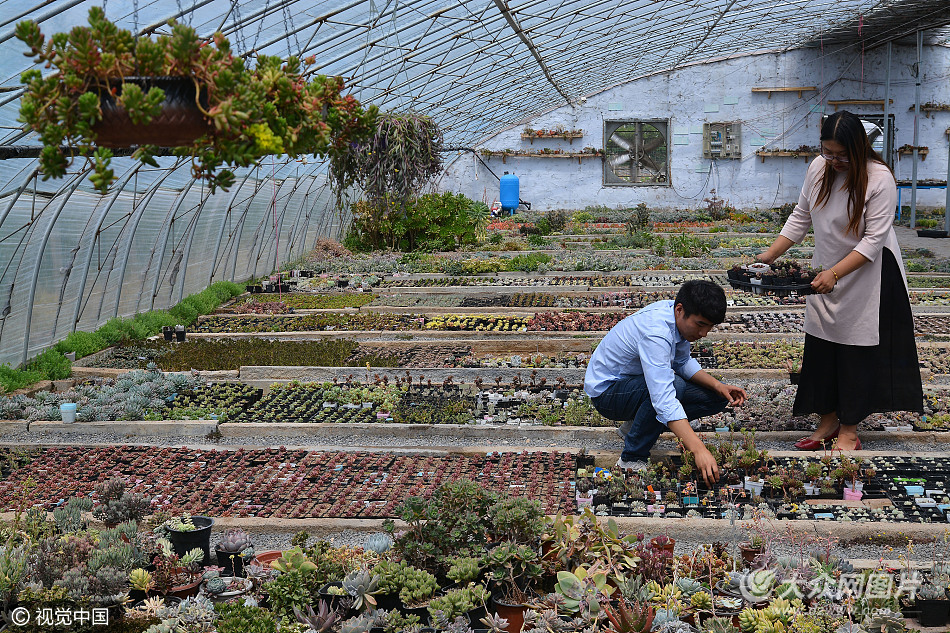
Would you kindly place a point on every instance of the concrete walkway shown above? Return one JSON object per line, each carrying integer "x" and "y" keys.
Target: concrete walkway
{"x": 907, "y": 238}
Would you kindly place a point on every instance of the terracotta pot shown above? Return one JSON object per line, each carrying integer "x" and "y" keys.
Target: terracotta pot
{"x": 188, "y": 590}
{"x": 266, "y": 558}
{"x": 749, "y": 552}
{"x": 514, "y": 613}
{"x": 179, "y": 123}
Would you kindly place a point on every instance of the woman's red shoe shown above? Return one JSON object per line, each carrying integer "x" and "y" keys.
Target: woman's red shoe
{"x": 808, "y": 444}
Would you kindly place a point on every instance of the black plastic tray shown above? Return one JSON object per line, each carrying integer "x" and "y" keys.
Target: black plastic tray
{"x": 748, "y": 286}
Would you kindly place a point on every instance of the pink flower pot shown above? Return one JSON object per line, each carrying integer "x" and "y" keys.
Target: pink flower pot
{"x": 852, "y": 495}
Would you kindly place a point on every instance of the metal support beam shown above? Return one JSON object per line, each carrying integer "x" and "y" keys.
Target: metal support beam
{"x": 41, "y": 252}
{"x": 513, "y": 23}
{"x": 217, "y": 246}
{"x": 163, "y": 238}
{"x": 100, "y": 220}
{"x": 888, "y": 155}
{"x": 137, "y": 218}
{"x": 187, "y": 255}
{"x": 913, "y": 177}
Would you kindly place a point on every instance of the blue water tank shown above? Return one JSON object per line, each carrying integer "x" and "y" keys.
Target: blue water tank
{"x": 509, "y": 194}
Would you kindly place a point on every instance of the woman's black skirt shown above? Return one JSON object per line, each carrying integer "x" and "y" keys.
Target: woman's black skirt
{"x": 856, "y": 381}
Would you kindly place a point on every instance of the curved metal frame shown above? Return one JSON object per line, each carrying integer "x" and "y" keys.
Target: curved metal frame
{"x": 39, "y": 257}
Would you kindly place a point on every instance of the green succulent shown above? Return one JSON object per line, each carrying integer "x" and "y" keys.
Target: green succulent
{"x": 215, "y": 586}
{"x": 701, "y": 600}
{"x": 719, "y": 625}
{"x": 459, "y": 601}
{"x": 361, "y": 585}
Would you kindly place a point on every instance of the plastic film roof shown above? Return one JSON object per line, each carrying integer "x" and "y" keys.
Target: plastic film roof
{"x": 71, "y": 258}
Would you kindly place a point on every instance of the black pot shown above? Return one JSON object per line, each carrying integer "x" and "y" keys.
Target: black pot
{"x": 931, "y": 233}
{"x": 933, "y": 612}
{"x": 168, "y": 332}
{"x": 420, "y": 612}
{"x": 180, "y": 336}
{"x": 180, "y": 121}
{"x": 232, "y": 562}
{"x": 255, "y": 289}
{"x": 200, "y": 537}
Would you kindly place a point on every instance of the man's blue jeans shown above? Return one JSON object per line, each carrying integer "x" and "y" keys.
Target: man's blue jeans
{"x": 629, "y": 399}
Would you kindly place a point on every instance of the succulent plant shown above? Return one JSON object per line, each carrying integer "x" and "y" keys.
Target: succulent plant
{"x": 885, "y": 621}
{"x": 719, "y": 625}
{"x": 216, "y": 585}
{"x": 140, "y": 579}
{"x": 459, "y": 601}
{"x": 464, "y": 570}
{"x": 360, "y": 624}
{"x": 930, "y": 591}
{"x": 196, "y": 614}
{"x": 748, "y": 619}
{"x": 361, "y": 585}
{"x": 234, "y": 541}
{"x": 320, "y": 621}
{"x": 379, "y": 543}
{"x": 701, "y": 600}
{"x": 688, "y": 586}
{"x": 629, "y": 617}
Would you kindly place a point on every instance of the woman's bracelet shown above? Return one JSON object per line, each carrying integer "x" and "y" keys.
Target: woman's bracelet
{"x": 835, "y": 274}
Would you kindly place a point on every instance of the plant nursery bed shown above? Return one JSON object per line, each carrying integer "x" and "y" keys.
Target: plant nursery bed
{"x": 281, "y": 483}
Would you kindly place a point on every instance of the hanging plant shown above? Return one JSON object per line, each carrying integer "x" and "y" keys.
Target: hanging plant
{"x": 104, "y": 74}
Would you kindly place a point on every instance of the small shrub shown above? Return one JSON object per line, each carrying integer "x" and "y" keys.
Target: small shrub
{"x": 51, "y": 365}
{"x": 83, "y": 343}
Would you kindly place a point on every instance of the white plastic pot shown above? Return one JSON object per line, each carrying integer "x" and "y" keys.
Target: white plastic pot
{"x": 68, "y": 412}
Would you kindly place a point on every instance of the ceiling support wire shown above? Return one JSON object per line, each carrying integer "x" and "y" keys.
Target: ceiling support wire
{"x": 138, "y": 215}
{"x": 368, "y": 44}
{"x": 41, "y": 252}
{"x": 195, "y": 5}
{"x": 60, "y": 8}
{"x": 226, "y": 224}
{"x": 99, "y": 221}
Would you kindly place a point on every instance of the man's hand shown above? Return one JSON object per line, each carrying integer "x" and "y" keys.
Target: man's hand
{"x": 705, "y": 462}
{"x": 735, "y": 395}
{"x": 706, "y": 465}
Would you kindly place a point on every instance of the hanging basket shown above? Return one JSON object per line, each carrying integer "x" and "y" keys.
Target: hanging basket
{"x": 179, "y": 123}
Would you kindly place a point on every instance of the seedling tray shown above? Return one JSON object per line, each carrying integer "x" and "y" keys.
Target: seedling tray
{"x": 772, "y": 289}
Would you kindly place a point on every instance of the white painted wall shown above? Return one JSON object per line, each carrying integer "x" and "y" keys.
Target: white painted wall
{"x": 721, "y": 91}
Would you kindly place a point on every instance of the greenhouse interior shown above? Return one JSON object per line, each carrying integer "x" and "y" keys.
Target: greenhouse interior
{"x": 562, "y": 268}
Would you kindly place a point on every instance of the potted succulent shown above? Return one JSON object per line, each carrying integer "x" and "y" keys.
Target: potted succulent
{"x": 233, "y": 550}
{"x": 116, "y": 506}
{"x": 106, "y": 79}
{"x": 932, "y": 603}
{"x": 224, "y": 588}
{"x": 187, "y": 532}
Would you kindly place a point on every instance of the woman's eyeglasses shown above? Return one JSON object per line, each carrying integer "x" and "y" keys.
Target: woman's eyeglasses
{"x": 829, "y": 156}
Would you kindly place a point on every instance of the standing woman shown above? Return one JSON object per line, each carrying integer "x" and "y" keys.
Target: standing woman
{"x": 860, "y": 355}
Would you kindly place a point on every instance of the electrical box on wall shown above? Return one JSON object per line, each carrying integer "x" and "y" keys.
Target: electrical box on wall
{"x": 721, "y": 140}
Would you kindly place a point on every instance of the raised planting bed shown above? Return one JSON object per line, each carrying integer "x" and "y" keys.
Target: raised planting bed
{"x": 892, "y": 489}
{"x": 225, "y": 354}
{"x": 319, "y": 301}
{"x": 282, "y": 483}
